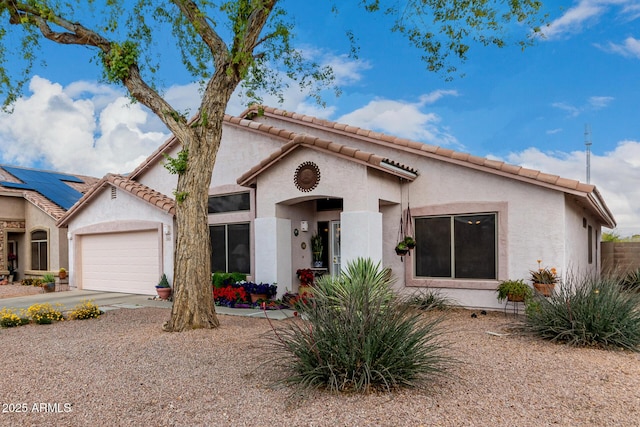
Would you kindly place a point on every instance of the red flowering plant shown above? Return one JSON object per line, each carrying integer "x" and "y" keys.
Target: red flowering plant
{"x": 306, "y": 277}
{"x": 230, "y": 295}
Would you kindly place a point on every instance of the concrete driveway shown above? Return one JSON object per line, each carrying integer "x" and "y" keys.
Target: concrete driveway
{"x": 113, "y": 300}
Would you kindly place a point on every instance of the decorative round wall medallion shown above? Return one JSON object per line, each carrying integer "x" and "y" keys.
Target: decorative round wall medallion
{"x": 307, "y": 176}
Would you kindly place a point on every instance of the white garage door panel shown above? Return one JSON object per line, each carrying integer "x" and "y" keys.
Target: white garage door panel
{"x": 121, "y": 262}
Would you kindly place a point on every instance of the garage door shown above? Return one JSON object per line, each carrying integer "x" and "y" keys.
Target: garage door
{"x": 121, "y": 262}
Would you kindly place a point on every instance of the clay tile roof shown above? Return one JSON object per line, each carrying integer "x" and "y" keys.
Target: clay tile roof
{"x": 44, "y": 204}
{"x": 426, "y": 149}
{"x": 373, "y": 160}
{"x": 136, "y": 189}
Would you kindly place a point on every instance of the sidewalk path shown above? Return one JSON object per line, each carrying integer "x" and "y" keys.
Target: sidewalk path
{"x": 113, "y": 300}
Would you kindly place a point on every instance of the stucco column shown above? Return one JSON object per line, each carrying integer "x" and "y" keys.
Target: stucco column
{"x": 273, "y": 252}
{"x": 360, "y": 236}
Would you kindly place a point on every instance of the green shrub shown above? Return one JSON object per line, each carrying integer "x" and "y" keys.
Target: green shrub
{"x": 429, "y": 299}
{"x": 588, "y": 312}
{"x": 221, "y": 280}
{"x": 32, "y": 282}
{"x": 631, "y": 281}
{"x": 357, "y": 335}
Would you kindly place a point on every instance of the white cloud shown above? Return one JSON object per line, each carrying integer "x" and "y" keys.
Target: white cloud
{"x": 615, "y": 173}
{"x": 404, "y": 119}
{"x": 599, "y": 102}
{"x": 82, "y": 128}
{"x": 594, "y": 103}
{"x": 586, "y": 13}
{"x": 573, "y": 20}
{"x": 570, "y": 109}
{"x": 630, "y": 48}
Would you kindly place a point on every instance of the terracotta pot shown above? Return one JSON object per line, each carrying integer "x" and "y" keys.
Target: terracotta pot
{"x": 546, "y": 289}
{"x": 63, "y": 275}
{"x": 256, "y": 297}
{"x": 304, "y": 289}
{"x": 515, "y": 298}
{"x": 163, "y": 293}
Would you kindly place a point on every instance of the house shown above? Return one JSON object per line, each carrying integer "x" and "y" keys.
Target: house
{"x": 282, "y": 177}
{"x": 31, "y": 202}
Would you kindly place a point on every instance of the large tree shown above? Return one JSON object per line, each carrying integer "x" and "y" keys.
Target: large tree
{"x": 224, "y": 44}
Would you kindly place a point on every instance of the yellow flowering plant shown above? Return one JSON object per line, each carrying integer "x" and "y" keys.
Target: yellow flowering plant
{"x": 544, "y": 275}
{"x": 9, "y": 318}
{"x": 43, "y": 314}
{"x": 85, "y": 310}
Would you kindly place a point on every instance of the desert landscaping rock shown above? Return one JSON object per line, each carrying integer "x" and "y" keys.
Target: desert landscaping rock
{"x": 121, "y": 369}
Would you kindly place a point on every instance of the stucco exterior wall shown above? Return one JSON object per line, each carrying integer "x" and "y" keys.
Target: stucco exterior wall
{"x": 35, "y": 219}
{"x": 577, "y": 230}
{"x": 159, "y": 178}
{"x": 339, "y": 179}
{"x": 107, "y": 215}
{"x": 12, "y": 207}
{"x": 531, "y": 225}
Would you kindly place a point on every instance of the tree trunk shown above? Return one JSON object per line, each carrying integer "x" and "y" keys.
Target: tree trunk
{"x": 193, "y": 305}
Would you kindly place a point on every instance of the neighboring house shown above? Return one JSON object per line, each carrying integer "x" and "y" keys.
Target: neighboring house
{"x": 31, "y": 201}
{"x": 281, "y": 177}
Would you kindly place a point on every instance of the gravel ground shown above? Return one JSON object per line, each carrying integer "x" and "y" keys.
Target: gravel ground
{"x": 11, "y": 291}
{"x": 121, "y": 369}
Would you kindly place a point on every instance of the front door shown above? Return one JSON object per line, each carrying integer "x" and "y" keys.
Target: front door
{"x": 334, "y": 237}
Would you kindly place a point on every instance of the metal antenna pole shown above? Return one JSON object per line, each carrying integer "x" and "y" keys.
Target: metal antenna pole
{"x": 587, "y": 143}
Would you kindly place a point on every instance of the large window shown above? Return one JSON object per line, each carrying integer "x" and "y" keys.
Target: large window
{"x": 230, "y": 248}
{"x": 39, "y": 253}
{"x": 456, "y": 246}
{"x": 229, "y": 203}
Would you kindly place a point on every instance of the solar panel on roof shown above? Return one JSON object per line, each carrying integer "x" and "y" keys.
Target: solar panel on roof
{"x": 50, "y": 184}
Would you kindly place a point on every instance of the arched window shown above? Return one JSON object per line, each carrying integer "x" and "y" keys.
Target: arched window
{"x": 39, "y": 250}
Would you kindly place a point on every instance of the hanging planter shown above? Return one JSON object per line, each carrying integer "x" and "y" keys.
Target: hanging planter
{"x": 406, "y": 240}
{"x": 402, "y": 249}
{"x": 410, "y": 242}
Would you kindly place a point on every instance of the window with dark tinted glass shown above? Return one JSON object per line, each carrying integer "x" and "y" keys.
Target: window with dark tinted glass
{"x": 456, "y": 246}
{"x": 39, "y": 251}
{"x": 229, "y": 203}
{"x": 230, "y": 248}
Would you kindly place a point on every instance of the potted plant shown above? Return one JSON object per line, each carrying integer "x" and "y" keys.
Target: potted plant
{"x": 317, "y": 249}
{"x": 410, "y": 242}
{"x": 514, "y": 290}
{"x": 163, "y": 288}
{"x": 544, "y": 279}
{"x": 48, "y": 282}
{"x": 306, "y": 277}
{"x": 62, "y": 274}
{"x": 402, "y": 248}
{"x": 260, "y": 291}
{"x": 13, "y": 275}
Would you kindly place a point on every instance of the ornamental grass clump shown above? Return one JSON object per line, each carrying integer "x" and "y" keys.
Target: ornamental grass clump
{"x": 44, "y": 314}
{"x": 9, "y": 318}
{"x": 357, "y": 335}
{"x": 85, "y": 310}
{"x": 430, "y": 299}
{"x": 588, "y": 312}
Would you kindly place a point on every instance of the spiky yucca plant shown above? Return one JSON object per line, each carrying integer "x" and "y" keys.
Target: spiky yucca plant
{"x": 358, "y": 336}
{"x": 588, "y": 312}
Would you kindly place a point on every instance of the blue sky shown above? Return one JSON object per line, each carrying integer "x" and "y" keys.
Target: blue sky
{"x": 526, "y": 107}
